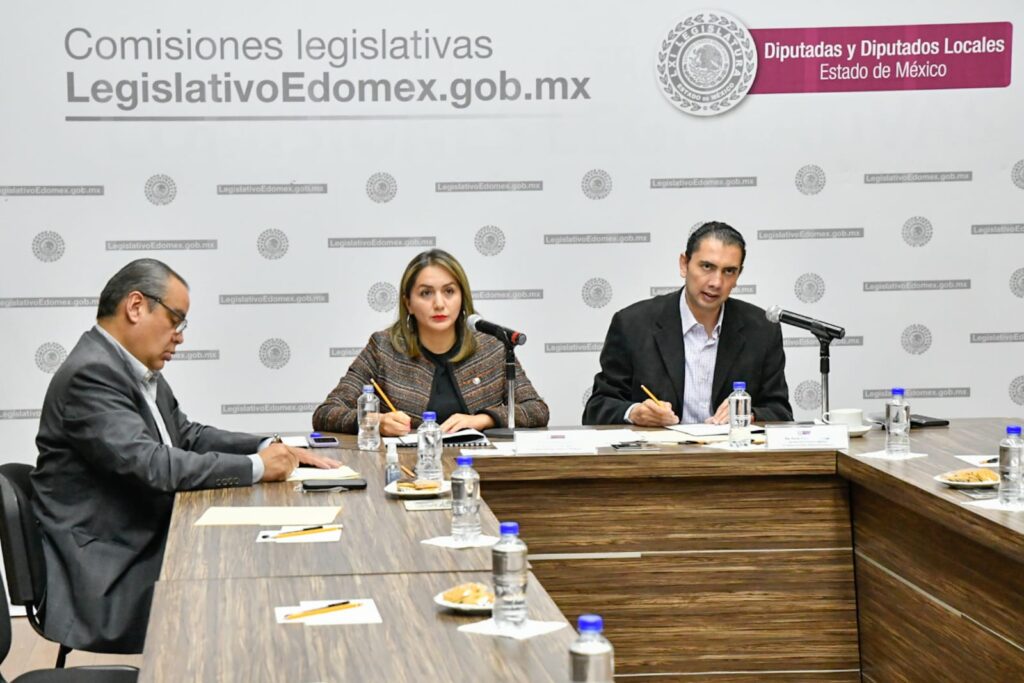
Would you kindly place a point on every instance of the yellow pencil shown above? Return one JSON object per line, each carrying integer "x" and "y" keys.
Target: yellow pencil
{"x": 653, "y": 397}
{"x": 383, "y": 395}
{"x": 409, "y": 473}
{"x": 305, "y": 532}
{"x": 336, "y": 607}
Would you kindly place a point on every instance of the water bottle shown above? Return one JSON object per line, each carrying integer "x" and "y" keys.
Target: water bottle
{"x": 465, "y": 500}
{"x": 508, "y": 569}
{"x": 428, "y": 451}
{"x": 1011, "y": 450}
{"x": 591, "y": 657}
{"x": 392, "y": 471}
{"x": 740, "y": 416}
{"x": 897, "y": 424}
{"x": 368, "y": 408}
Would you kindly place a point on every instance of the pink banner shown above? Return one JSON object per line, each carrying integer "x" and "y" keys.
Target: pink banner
{"x": 855, "y": 58}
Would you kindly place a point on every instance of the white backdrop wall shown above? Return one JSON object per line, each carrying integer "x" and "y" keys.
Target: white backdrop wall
{"x": 245, "y": 205}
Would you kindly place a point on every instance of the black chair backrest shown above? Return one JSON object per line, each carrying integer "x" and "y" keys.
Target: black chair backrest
{"x": 21, "y": 537}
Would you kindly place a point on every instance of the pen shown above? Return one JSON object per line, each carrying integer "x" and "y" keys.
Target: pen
{"x": 275, "y": 439}
{"x": 304, "y": 532}
{"x": 333, "y": 607}
{"x": 653, "y": 397}
{"x": 383, "y": 395}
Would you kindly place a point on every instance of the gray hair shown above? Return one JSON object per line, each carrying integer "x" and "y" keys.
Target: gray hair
{"x": 141, "y": 275}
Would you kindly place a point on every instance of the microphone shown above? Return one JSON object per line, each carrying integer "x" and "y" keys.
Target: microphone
{"x": 818, "y": 328}
{"x": 478, "y": 324}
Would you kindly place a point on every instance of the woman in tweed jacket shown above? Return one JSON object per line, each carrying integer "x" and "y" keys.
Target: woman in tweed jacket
{"x": 431, "y": 337}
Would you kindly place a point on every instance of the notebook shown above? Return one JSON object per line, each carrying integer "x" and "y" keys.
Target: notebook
{"x": 464, "y": 438}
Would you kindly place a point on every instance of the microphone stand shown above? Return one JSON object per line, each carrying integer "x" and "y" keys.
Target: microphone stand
{"x": 510, "y": 383}
{"x": 824, "y": 344}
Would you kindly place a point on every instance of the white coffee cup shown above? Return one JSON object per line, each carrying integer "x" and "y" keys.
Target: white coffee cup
{"x": 851, "y": 417}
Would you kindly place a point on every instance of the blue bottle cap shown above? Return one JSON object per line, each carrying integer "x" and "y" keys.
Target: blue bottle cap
{"x": 1013, "y": 429}
{"x": 590, "y": 623}
{"x": 510, "y": 528}
{"x": 367, "y": 389}
{"x": 739, "y": 386}
{"x": 314, "y": 434}
{"x": 467, "y": 460}
{"x": 430, "y": 416}
{"x": 897, "y": 391}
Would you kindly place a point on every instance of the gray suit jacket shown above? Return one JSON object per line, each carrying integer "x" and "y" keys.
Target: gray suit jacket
{"x": 105, "y": 484}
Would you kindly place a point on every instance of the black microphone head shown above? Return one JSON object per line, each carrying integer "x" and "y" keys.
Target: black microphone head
{"x": 774, "y": 314}
{"x": 473, "y": 320}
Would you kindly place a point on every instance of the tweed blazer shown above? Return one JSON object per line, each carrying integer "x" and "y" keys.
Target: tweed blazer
{"x": 407, "y": 382}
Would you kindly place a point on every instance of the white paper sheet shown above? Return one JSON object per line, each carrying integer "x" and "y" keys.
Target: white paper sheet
{"x": 980, "y": 460}
{"x": 268, "y": 516}
{"x": 305, "y": 473}
{"x": 295, "y": 441}
{"x": 481, "y": 541}
{"x": 882, "y": 455}
{"x": 365, "y": 613}
{"x": 528, "y": 630}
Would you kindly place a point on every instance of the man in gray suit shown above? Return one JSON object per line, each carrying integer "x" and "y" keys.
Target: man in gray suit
{"x": 114, "y": 447}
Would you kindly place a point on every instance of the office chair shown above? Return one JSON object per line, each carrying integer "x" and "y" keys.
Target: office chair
{"x": 22, "y": 543}
{"x": 83, "y": 674}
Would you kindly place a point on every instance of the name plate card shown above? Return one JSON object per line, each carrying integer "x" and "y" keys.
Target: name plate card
{"x": 807, "y": 437}
{"x": 435, "y": 504}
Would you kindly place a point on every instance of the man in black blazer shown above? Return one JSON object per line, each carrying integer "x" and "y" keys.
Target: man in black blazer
{"x": 688, "y": 347}
{"x": 114, "y": 446}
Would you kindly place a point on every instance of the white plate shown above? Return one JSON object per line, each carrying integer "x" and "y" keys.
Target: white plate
{"x": 859, "y": 431}
{"x": 461, "y": 607}
{"x": 392, "y": 488}
{"x": 964, "y": 484}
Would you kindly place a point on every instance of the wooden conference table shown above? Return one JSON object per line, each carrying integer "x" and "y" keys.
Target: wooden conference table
{"x": 780, "y": 566}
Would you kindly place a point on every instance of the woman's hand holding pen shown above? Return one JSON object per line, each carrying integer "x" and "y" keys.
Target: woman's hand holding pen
{"x": 395, "y": 423}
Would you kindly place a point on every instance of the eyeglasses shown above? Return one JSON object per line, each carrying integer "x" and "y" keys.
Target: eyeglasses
{"x": 178, "y": 317}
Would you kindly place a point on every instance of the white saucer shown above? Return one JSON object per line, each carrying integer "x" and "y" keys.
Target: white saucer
{"x": 859, "y": 431}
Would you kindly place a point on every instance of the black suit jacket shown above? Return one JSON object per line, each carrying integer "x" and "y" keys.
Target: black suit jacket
{"x": 105, "y": 484}
{"x": 644, "y": 345}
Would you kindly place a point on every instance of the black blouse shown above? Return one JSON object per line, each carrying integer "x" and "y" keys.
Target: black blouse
{"x": 445, "y": 397}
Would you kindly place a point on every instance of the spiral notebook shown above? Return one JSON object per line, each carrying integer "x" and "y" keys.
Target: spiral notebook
{"x": 464, "y": 438}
